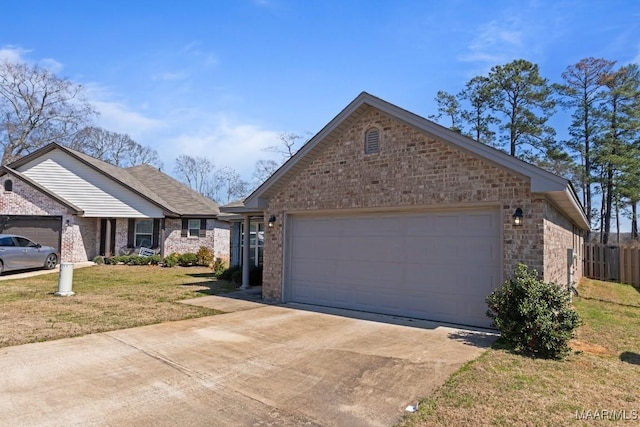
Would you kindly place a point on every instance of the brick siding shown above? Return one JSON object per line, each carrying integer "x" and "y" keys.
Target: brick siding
{"x": 412, "y": 169}
{"x": 217, "y": 238}
{"x": 559, "y": 236}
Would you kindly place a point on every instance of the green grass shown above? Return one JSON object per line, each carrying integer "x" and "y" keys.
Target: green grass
{"x": 501, "y": 388}
{"x": 107, "y": 297}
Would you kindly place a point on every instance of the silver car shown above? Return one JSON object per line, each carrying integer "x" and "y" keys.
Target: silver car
{"x": 19, "y": 253}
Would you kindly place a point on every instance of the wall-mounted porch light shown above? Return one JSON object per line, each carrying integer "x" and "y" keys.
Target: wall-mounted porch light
{"x": 272, "y": 220}
{"x": 517, "y": 217}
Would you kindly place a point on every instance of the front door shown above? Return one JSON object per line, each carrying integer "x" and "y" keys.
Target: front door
{"x": 108, "y": 237}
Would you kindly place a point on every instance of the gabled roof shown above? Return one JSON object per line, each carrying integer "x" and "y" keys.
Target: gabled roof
{"x": 6, "y": 170}
{"x": 558, "y": 189}
{"x": 173, "y": 197}
{"x": 173, "y": 192}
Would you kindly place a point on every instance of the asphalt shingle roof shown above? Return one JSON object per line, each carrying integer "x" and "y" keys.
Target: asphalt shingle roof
{"x": 159, "y": 188}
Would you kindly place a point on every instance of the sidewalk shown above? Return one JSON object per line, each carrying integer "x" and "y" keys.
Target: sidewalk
{"x": 12, "y": 275}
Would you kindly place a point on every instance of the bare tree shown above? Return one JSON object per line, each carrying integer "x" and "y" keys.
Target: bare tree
{"x": 144, "y": 155}
{"x": 36, "y": 108}
{"x": 229, "y": 185}
{"x": 287, "y": 146}
{"x": 197, "y": 173}
{"x": 263, "y": 170}
{"x": 112, "y": 147}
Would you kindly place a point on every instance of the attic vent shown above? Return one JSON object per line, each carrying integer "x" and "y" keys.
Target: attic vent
{"x": 8, "y": 185}
{"x": 372, "y": 141}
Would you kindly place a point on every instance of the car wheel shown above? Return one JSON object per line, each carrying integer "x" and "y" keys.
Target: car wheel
{"x": 50, "y": 262}
{"x": 1, "y": 267}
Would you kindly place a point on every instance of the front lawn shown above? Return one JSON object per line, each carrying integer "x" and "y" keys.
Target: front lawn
{"x": 597, "y": 382}
{"x": 107, "y": 297}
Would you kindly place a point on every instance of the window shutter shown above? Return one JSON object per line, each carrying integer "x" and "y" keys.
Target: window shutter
{"x": 156, "y": 233}
{"x": 131, "y": 233}
{"x": 185, "y": 228}
{"x": 203, "y": 228}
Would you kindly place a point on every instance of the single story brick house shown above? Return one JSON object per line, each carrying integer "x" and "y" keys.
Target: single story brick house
{"x": 385, "y": 211}
{"x": 86, "y": 207}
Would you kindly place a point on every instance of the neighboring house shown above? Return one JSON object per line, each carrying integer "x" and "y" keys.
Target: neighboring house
{"x": 86, "y": 207}
{"x": 385, "y": 211}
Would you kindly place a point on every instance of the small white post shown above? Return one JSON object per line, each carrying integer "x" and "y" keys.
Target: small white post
{"x": 65, "y": 281}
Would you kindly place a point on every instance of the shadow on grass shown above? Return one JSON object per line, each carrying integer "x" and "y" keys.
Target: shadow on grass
{"x": 477, "y": 338}
{"x": 611, "y": 302}
{"x": 216, "y": 287}
{"x": 204, "y": 275}
{"x": 630, "y": 357}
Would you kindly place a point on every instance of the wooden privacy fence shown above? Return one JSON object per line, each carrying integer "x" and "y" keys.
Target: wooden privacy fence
{"x": 615, "y": 263}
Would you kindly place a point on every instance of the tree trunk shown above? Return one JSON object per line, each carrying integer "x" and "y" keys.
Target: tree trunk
{"x": 634, "y": 219}
{"x": 617, "y": 222}
{"x": 608, "y": 206}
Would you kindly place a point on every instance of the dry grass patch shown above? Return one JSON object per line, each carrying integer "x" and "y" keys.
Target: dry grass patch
{"x": 107, "y": 298}
{"x": 501, "y": 388}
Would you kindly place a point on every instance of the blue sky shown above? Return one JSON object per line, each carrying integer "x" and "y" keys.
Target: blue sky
{"x": 223, "y": 79}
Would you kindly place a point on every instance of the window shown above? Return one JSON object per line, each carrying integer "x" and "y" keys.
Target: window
{"x": 193, "y": 228}
{"x": 372, "y": 141}
{"x": 8, "y": 185}
{"x": 7, "y": 241}
{"x": 25, "y": 243}
{"x": 143, "y": 233}
{"x": 256, "y": 242}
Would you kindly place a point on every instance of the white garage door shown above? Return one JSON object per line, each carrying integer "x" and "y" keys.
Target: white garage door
{"x": 437, "y": 265}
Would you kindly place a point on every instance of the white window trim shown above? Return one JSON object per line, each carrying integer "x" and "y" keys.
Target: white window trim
{"x": 136, "y": 233}
{"x": 191, "y": 228}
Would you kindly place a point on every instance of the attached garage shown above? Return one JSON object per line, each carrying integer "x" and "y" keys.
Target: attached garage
{"x": 437, "y": 265}
{"x": 384, "y": 211}
{"x": 45, "y": 230}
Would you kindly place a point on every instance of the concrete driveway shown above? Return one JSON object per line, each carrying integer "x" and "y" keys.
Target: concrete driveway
{"x": 258, "y": 365}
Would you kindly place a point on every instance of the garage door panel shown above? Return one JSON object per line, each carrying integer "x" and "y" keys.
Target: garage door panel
{"x": 432, "y": 265}
{"x": 43, "y": 230}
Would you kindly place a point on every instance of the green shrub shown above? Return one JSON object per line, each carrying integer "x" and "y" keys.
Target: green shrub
{"x": 204, "y": 256}
{"x": 98, "y": 259}
{"x": 535, "y": 317}
{"x": 170, "y": 260}
{"x": 187, "y": 259}
{"x": 226, "y": 274}
{"x": 138, "y": 260}
{"x": 219, "y": 267}
{"x": 155, "y": 259}
{"x": 117, "y": 259}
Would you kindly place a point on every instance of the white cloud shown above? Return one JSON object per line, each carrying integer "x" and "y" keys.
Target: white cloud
{"x": 51, "y": 65}
{"x": 226, "y": 142}
{"x": 12, "y": 54}
{"x": 522, "y": 32}
{"x": 495, "y": 43}
{"x": 117, "y": 116}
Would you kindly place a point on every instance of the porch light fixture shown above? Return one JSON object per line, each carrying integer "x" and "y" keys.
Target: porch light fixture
{"x": 272, "y": 219}
{"x": 517, "y": 217}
